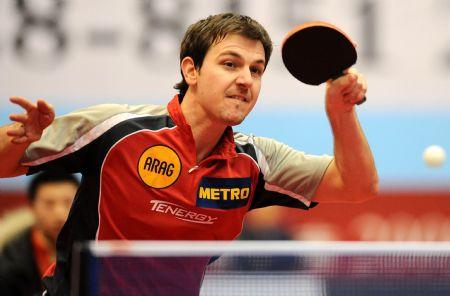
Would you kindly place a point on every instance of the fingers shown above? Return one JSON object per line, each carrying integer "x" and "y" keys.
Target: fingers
{"x": 39, "y": 115}
{"x": 16, "y": 130}
{"x": 24, "y": 103}
{"x": 19, "y": 134}
{"x": 20, "y": 140}
{"x": 47, "y": 111}
{"x": 349, "y": 77}
{"x": 352, "y": 90}
{"x": 352, "y": 86}
{"x": 22, "y": 118}
{"x": 349, "y": 82}
{"x": 345, "y": 92}
{"x": 44, "y": 107}
{"x": 355, "y": 97}
{"x": 41, "y": 105}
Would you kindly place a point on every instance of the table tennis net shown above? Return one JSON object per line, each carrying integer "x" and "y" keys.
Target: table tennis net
{"x": 261, "y": 268}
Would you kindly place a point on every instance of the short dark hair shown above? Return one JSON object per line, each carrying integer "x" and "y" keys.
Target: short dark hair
{"x": 56, "y": 175}
{"x": 201, "y": 35}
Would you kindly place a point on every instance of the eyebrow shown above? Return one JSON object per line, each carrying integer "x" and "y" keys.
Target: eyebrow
{"x": 236, "y": 55}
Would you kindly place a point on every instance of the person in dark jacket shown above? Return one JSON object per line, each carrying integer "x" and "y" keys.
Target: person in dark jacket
{"x": 26, "y": 257}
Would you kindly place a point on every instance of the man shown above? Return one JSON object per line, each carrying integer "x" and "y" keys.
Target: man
{"x": 151, "y": 172}
{"x": 24, "y": 259}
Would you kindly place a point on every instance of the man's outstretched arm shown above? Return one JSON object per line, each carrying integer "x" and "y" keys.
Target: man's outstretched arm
{"x": 25, "y": 129}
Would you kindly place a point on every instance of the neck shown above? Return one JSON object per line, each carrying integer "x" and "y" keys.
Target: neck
{"x": 205, "y": 130}
{"x": 48, "y": 241}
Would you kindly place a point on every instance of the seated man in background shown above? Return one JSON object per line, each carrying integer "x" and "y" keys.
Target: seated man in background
{"x": 26, "y": 257}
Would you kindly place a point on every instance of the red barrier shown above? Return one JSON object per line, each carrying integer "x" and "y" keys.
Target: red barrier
{"x": 393, "y": 216}
{"x": 11, "y": 200}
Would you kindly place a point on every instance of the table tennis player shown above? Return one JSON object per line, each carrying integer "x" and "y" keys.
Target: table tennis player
{"x": 180, "y": 172}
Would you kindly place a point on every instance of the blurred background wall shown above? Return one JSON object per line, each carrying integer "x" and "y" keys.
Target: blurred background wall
{"x": 78, "y": 53}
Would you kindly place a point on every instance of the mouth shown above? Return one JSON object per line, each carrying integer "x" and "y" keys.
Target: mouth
{"x": 239, "y": 98}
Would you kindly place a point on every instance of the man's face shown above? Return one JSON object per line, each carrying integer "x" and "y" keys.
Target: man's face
{"x": 51, "y": 206}
{"x": 229, "y": 80}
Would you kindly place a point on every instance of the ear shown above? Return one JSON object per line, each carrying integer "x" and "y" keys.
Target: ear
{"x": 189, "y": 71}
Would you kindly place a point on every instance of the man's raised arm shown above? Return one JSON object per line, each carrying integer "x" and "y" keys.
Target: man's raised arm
{"x": 352, "y": 175}
{"x": 26, "y": 129}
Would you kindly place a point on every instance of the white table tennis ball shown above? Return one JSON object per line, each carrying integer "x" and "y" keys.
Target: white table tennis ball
{"x": 434, "y": 156}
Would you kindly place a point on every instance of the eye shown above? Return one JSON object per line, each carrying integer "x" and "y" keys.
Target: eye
{"x": 256, "y": 71}
{"x": 229, "y": 64}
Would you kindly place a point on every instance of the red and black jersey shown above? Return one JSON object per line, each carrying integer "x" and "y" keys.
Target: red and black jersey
{"x": 141, "y": 179}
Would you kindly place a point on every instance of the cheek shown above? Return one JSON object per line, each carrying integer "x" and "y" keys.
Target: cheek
{"x": 45, "y": 221}
{"x": 45, "y": 213}
{"x": 40, "y": 211}
{"x": 255, "y": 92}
{"x": 256, "y": 88}
{"x": 223, "y": 80}
{"x": 211, "y": 88}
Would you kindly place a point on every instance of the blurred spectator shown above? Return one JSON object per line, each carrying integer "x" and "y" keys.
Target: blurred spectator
{"x": 25, "y": 258}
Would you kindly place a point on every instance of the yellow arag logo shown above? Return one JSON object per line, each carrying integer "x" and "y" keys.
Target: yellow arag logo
{"x": 159, "y": 166}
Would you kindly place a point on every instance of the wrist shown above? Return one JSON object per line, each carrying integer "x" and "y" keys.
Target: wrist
{"x": 342, "y": 121}
{"x": 340, "y": 113}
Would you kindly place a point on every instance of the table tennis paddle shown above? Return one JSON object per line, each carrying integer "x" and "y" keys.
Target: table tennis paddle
{"x": 317, "y": 51}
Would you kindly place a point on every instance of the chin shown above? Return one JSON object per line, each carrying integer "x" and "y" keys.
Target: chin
{"x": 233, "y": 118}
{"x": 234, "y": 121}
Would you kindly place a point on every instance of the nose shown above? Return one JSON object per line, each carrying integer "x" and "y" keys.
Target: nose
{"x": 244, "y": 79}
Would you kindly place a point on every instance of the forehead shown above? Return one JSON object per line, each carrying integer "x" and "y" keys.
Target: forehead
{"x": 249, "y": 48}
{"x": 56, "y": 190}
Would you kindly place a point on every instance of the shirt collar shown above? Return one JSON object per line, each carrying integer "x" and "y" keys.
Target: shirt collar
{"x": 226, "y": 148}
